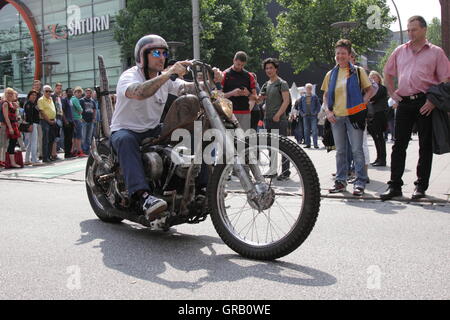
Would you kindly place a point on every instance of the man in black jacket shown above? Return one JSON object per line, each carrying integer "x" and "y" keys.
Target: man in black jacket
{"x": 440, "y": 96}
{"x": 418, "y": 65}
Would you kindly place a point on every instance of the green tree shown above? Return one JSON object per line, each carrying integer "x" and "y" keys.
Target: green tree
{"x": 305, "y": 35}
{"x": 227, "y": 26}
{"x": 434, "y": 33}
{"x": 169, "y": 19}
{"x": 389, "y": 50}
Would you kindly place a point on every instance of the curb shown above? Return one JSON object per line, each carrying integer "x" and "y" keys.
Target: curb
{"x": 349, "y": 196}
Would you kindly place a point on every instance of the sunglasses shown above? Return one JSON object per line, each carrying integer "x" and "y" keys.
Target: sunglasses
{"x": 158, "y": 53}
{"x": 48, "y": 91}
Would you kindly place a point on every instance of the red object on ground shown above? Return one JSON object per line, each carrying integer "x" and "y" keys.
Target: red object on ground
{"x": 17, "y": 157}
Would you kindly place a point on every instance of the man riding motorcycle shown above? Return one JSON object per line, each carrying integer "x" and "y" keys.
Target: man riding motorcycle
{"x": 142, "y": 92}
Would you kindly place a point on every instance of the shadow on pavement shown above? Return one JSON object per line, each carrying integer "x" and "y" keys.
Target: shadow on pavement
{"x": 145, "y": 254}
{"x": 441, "y": 207}
{"x": 378, "y": 207}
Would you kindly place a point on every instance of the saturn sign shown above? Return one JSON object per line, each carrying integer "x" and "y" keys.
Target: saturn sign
{"x": 78, "y": 26}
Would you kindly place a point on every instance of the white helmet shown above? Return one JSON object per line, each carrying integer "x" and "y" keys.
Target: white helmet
{"x": 146, "y": 43}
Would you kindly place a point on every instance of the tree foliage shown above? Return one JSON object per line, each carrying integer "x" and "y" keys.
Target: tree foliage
{"x": 384, "y": 59}
{"x": 434, "y": 32}
{"x": 305, "y": 35}
{"x": 227, "y": 26}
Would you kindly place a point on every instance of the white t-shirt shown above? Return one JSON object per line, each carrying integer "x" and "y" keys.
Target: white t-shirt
{"x": 140, "y": 115}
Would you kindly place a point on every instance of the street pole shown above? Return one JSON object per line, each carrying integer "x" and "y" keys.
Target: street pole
{"x": 445, "y": 23}
{"x": 196, "y": 28}
{"x": 399, "y": 22}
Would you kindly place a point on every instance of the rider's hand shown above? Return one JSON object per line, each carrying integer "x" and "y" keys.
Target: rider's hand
{"x": 179, "y": 68}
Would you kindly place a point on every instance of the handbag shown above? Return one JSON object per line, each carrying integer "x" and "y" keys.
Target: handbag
{"x": 25, "y": 127}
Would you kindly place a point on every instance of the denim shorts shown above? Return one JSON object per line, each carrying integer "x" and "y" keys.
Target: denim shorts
{"x": 78, "y": 128}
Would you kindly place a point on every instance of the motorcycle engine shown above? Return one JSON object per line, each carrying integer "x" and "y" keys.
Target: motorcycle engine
{"x": 153, "y": 165}
{"x": 182, "y": 171}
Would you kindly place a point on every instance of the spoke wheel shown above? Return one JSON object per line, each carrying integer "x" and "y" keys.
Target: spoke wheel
{"x": 277, "y": 223}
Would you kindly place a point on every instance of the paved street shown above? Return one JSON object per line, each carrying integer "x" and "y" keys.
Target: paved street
{"x": 54, "y": 247}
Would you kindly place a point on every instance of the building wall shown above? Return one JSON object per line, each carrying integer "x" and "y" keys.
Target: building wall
{"x": 76, "y": 54}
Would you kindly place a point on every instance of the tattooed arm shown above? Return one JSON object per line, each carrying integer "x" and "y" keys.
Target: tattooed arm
{"x": 141, "y": 91}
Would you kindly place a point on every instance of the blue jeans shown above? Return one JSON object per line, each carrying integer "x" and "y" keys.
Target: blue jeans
{"x": 87, "y": 132}
{"x": 310, "y": 124}
{"x": 341, "y": 130}
{"x": 126, "y": 143}
{"x": 299, "y": 131}
{"x": 47, "y": 140}
{"x": 77, "y": 130}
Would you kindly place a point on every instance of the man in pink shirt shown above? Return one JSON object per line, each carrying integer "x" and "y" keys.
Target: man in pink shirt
{"x": 417, "y": 65}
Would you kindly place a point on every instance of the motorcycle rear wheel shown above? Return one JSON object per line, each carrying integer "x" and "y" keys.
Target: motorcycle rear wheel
{"x": 302, "y": 193}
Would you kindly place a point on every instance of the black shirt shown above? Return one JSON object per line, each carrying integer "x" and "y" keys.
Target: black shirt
{"x": 31, "y": 112}
{"x": 88, "y": 106}
{"x": 379, "y": 101}
{"x": 233, "y": 80}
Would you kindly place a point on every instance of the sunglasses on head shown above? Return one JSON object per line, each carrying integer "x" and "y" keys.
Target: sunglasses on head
{"x": 157, "y": 53}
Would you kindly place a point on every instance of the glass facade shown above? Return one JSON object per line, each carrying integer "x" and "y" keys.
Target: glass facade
{"x": 70, "y": 35}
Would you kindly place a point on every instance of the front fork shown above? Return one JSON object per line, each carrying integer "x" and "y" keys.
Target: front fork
{"x": 254, "y": 191}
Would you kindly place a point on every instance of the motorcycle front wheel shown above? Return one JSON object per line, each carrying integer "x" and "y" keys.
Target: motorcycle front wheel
{"x": 97, "y": 192}
{"x": 281, "y": 227}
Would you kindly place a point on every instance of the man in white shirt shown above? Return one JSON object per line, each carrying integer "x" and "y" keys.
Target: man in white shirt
{"x": 142, "y": 92}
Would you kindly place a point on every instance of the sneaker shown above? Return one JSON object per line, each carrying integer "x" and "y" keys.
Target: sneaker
{"x": 81, "y": 155}
{"x": 152, "y": 207}
{"x": 358, "y": 191}
{"x": 338, "y": 187}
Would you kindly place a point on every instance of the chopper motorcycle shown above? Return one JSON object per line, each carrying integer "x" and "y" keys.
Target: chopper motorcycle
{"x": 256, "y": 214}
